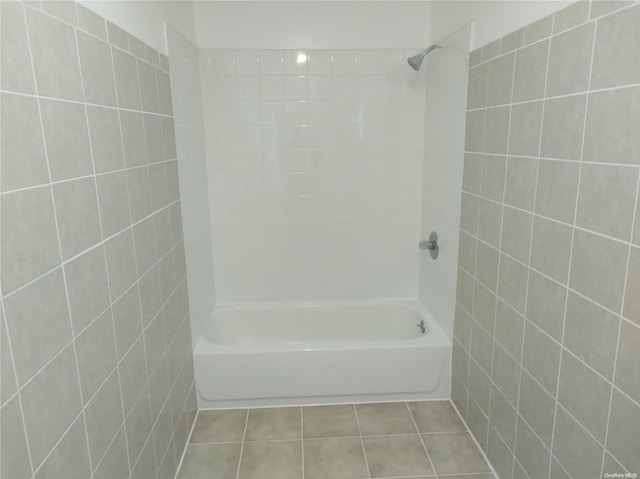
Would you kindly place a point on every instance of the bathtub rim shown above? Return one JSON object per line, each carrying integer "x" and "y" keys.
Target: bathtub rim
{"x": 434, "y": 337}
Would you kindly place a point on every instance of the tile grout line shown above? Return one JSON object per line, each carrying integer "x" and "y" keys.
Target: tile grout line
{"x": 556, "y": 396}
{"x": 424, "y": 446}
{"x": 78, "y": 102}
{"x": 499, "y": 263}
{"x": 34, "y": 469}
{"x": 244, "y": 436}
{"x": 302, "y": 437}
{"x": 526, "y": 305}
{"x": 189, "y": 435}
{"x": 104, "y": 258}
{"x": 622, "y": 310}
{"x": 364, "y": 450}
{"x": 164, "y": 162}
{"x": 113, "y": 325}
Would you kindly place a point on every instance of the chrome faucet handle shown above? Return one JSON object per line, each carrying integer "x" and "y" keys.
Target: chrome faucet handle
{"x": 432, "y": 244}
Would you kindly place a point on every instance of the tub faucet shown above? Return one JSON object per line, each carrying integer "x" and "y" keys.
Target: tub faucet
{"x": 422, "y": 326}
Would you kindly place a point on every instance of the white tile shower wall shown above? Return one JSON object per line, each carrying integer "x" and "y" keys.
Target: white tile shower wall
{"x": 97, "y": 371}
{"x": 192, "y": 162}
{"x": 447, "y": 72}
{"x": 547, "y": 332}
{"x": 315, "y": 165}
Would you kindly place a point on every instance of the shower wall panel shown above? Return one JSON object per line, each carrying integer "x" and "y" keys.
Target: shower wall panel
{"x": 97, "y": 371}
{"x": 315, "y": 164}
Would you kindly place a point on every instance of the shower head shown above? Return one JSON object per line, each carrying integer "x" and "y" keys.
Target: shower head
{"x": 416, "y": 60}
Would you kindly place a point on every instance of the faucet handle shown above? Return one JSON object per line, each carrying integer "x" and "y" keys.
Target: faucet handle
{"x": 432, "y": 244}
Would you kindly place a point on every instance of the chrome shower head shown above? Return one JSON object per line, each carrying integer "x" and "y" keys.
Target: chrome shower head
{"x": 415, "y": 61}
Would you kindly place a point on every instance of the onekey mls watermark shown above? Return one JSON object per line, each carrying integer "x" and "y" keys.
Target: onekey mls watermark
{"x": 620, "y": 475}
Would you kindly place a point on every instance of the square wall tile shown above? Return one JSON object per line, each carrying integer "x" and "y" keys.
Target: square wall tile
{"x": 21, "y": 144}
{"x": 541, "y": 357}
{"x": 551, "y": 248}
{"x": 606, "y": 199}
{"x": 32, "y": 249}
{"x": 50, "y": 402}
{"x": 17, "y": 74}
{"x": 591, "y": 334}
{"x": 562, "y": 127}
{"x": 87, "y": 287}
{"x": 593, "y": 259}
{"x": 97, "y": 70}
{"x": 500, "y": 80}
{"x": 103, "y": 415}
{"x": 97, "y": 340}
{"x": 526, "y": 124}
{"x": 530, "y": 68}
{"x": 537, "y": 407}
{"x": 574, "y": 449}
{"x": 617, "y": 40}
{"x": 38, "y": 323}
{"x": 55, "y": 56}
{"x": 15, "y": 456}
{"x": 69, "y": 155}
{"x": 520, "y": 184}
{"x": 126, "y": 75}
{"x": 477, "y": 89}
{"x": 557, "y": 189}
{"x": 77, "y": 215}
{"x": 570, "y": 60}
{"x": 570, "y": 16}
{"x": 546, "y": 304}
{"x": 584, "y": 394}
{"x": 611, "y": 125}
{"x": 106, "y": 140}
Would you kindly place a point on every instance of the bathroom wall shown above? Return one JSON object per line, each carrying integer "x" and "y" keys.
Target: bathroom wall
{"x": 311, "y": 24}
{"x": 315, "y": 164}
{"x": 547, "y": 331}
{"x": 97, "y": 374}
{"x": 447, "y": 71}
{"x": 192, "y": 161}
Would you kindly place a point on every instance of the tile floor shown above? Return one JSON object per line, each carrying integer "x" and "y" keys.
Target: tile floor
{"x": 386, "y": 440}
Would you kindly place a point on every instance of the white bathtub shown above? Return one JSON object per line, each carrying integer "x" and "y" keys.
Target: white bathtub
{"x": 320, "y": 353}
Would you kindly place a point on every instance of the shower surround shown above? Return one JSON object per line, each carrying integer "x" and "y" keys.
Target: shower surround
{"x": 314, "y": 160}
{"x": 97, "y": 370}
{"x": 546, "y": 353}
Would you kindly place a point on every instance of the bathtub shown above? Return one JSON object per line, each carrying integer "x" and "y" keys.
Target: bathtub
{"x": 322, "y": 353}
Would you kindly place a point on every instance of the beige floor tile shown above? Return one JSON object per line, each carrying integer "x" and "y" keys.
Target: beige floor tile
{"x": 390, "y": 456}
{"x": 435, "y": 416}
{"x": 384, "y": 419}
{"x": 338, "y": 458}
{"x": 210, "y": 461}
{"x": 274, "y": 423}
{"x": 273, "y": 459}
{"x": 329, "y": 421}
{"x": 220, "y": 426}
{"x": 454, "y": 453}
